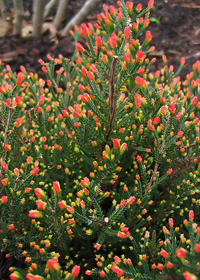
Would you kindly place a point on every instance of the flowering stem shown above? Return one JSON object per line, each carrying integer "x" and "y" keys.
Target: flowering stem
{"x": 19, "y": 14}
{"x": 56, "y": 226}
{"x": 56, "y": 86}
{"x": 38, "y": 17}
{"x": 111, "y": 96}
{"x": 52, "y": 79}
{"x": 5, "y": 138}
{"x": 160, "y": 152}
{"x": 79, "y": 17}
{"x": 184, "y": 164}
{"x": 13, "y": 196}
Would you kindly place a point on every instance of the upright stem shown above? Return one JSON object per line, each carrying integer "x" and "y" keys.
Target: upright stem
{"x": 38, "y": 17}
{"x": 81, "y": 15}
{"x": 56, "y": 87}
{"x": 60, "y": 13}
{"x": 3, "y": 9}
{"x": 111, "y": 96}
{"x": 53, "y": 213}
{"x": 19, "y": 14}
{"x": 49, "y": 6}
{"x": 160, "y": 152}
{"x": 6, "y": 138}
{"x": 13, "y": 197}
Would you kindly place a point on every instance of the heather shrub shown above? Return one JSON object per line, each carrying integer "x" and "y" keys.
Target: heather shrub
{"x": 100, "y": 162}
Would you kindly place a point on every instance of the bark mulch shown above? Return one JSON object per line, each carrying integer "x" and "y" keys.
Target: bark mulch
{"x": 175, "y": 26}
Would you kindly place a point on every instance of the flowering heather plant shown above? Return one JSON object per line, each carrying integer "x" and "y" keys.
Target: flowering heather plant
{"x": 100, "y": 165}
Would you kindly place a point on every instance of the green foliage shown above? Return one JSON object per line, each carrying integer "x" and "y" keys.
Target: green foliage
{"x": 100, "y": 162}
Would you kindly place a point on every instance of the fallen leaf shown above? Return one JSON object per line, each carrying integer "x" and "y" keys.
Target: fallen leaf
{"x": 4, "y": 27}
{"x": 27, "y": 30}
{"x": 158, "y": 54}
{"x": 49, "y": 26}
{"x": 174, "y": 52}
{"x": 10, "y": 55}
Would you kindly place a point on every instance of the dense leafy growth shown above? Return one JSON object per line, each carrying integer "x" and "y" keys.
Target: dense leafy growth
{"x": 100, "y": 164}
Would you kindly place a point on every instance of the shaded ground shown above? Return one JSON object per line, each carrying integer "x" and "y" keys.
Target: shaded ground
{"x": 175, "y": 28}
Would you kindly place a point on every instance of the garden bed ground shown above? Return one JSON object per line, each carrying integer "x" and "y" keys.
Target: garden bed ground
{"x": 175, "y": 28}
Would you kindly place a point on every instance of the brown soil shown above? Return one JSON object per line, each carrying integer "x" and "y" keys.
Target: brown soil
{"x": 175, "y": 28}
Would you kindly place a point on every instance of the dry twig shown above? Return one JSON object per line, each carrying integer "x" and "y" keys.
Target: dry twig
{"x": 60, "y": 13}
{"x": 49, "y": 6}
{"x": 38, "y": 17}
{"x": 111, "y": 96}
{"x": 2, "y": 9}
{"x": 81, "y": 15}
{"x": 19, "y": 15}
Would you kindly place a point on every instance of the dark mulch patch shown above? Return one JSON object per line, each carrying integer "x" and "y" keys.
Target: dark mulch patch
{"x": 175, "y": 33}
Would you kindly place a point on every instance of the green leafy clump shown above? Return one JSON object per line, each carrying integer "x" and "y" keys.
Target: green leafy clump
{"x": 99, "y": 174}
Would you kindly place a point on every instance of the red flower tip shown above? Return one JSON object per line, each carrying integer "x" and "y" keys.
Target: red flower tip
{"x": 169, "y": 171}
{"x": 97, "y": 246}
{"x": 117, "y": 270}
{"x": 3, "y": 199}
{"x": 62, "y": 204}
{"x": 182, "y": 61}
{"x": 140, "y": 56}
{"x": 127, "y": 32}
{"x": 116, "y": 143}
{"x": 56, "y": 188}
{"x": 191, "y": 215}
{"x": 160, "y": 266}
{"x": 150, "y": 4}
{"x": 130, "y": 200}
{"x": 179, "y": 134}
{"x": 40, "y": 193}
{"x": 75, "y": 271}
{"x": 129, "y": 6}
{"x": 84, "y": 30}
{"x": 139, "y": 8}
{"x": 169, "y": 265}
{"x": 197, "y": 248}
{"x": 164, "y": 254}
{"x": 15, "y": 276}
{"x": 102, "y": 274}
{"x": 4, "y": 165}
{"x": 53, "y": 264}
{"x": 34, "y": 171}
{"x": 181, "y": 253}
{"x": 171, "y": 222}
{"x": 35, "y": 214}
{"x": 79, "y": 48}
{"x": 189, "y": 276}
{"x": 7, "y": 147}
{"x": 140, "y": 82}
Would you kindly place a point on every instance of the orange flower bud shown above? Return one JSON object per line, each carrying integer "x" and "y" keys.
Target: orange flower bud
{"x": 4, "y": 181}
{"x": 34, "y": 171}
{"x": 164, "y": 254}
{"x": 75, "y": 271}
{"x": 53, "y": 265}
{"x": 3, "y": 199}
{"x": 41, "y": 205}
{"x": 15, "y": 276}
{"x": 181, "y": 253}
{"x": 40, "y": 193}
{"x": 102, "y": 274}
{"x": 35, "y": 214}
{"x": 116, "y": 143}
{"x": 10, "y": 227}
{"x": 56, "y": 188}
